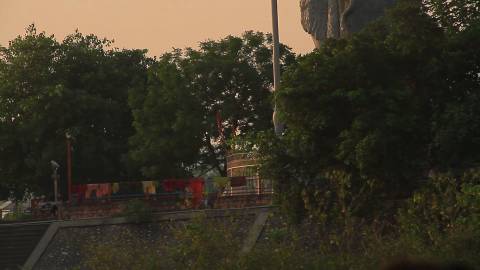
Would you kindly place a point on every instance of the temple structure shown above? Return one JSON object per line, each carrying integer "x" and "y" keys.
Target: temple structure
{"x": 245, "y": 165}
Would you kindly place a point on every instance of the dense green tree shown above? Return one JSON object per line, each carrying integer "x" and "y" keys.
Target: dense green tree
{"x": 456, "y": 119}
{"x": 47, "y": 89}
{"x": 364, "y": 102}
{"x": 377, "y": 112}
{"x": 98, "y": 79}
{"x": 225, "y": 81}
{"x": 168, "y": 121}
{"x": 26, "y": 82}
{"x": 233, "y": 78}
{"x": 454, "y": 15}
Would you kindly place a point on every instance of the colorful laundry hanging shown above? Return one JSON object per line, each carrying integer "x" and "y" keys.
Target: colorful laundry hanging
{"x": 209, "y": 186}
{"x": 91, "y": 192}
{"x": 196, "y": 186}
{"x": 97, "y": 191}
{"x": 79, "y": 191}
{"x": 149, "y": 187}
{"x": 104, "y": 190}
{"x": 115, "y": 188}
{"x": 130, "y": 188}
{"x": 172, "y": 185}
{"x": 221, "y": 182}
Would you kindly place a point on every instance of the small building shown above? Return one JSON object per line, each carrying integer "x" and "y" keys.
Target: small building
{"x": 245, "y": 165}
{"x": 6, "y": 207}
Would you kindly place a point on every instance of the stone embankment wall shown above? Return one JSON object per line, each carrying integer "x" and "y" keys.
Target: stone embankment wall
{"x": 72, "y": 240}
{"x": 115, "y": 208}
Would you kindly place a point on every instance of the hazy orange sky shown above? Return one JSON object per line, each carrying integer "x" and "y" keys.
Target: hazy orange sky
{"x": 156, "y": 25}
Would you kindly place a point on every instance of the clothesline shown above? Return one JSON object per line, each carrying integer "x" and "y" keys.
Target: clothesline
{"x": 193, "y": 186}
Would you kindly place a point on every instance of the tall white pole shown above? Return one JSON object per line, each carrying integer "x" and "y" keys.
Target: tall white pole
{"x": 276, "y": 67}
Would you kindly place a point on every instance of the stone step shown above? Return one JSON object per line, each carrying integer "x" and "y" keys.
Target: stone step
{"x": 17, "y": 241}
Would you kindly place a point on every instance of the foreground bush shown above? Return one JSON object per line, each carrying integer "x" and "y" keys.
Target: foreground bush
{"x": 138, "y": 211}
{"x": 439, "y": 224}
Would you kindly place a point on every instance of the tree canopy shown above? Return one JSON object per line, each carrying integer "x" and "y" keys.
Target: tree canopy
{"x": 130, "y": 116}
{"x": 454, "y": 15}
{"x": 377, "y": 112}
{"x": 384, "y": 108}
{"x": 196, "y": 99}
{"x": 49, "y": 88}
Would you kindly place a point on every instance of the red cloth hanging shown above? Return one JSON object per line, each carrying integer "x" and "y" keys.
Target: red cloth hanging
{"x": 80, "y": 191}
{"x": 238, "y": 181}
{"x": 104, "y": 190}
{"x": 220, "y": 126}
{"x": 168, "y": 185}
{"x": 181, "y": 184}
{"x": 92, "y": 191}
{"x": 196, "y": 185}
{"x": 171, "y": 185}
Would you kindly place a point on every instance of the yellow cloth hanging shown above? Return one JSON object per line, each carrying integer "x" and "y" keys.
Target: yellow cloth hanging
{"x": 115, "y": 188}
{"x": 149, "y": 187}
{"x": 221, "y": 182}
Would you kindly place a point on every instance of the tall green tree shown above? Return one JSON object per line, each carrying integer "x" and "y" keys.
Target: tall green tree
{"x": 49, "y": 88}
{"x": 226, "y": 81}
{"x": 456, "y": 119}
{"x": 168, "y": 121}
{"x": 377, "y": 112}
{"x": 26, "y": 81}
{"x": 454, "y": 15}
{"x": 98, "y": 79}
{"x": 233, "y": 79}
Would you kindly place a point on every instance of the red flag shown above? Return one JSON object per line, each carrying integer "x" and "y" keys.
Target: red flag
{"x": 220, "y": 126}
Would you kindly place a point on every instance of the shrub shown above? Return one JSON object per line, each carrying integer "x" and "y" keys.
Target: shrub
{"x": 204, "y": 244}
{"x": 125, "y": 252}
{"x": 442, "y": 220}
{"x": 17, "y": 215}
{"x": 138, "y": 211}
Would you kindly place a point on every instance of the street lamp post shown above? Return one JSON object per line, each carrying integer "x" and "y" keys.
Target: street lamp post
{"x": 55, "y": 167}
{"x": 279, "y": 128}
{"x": 69, "y": 165}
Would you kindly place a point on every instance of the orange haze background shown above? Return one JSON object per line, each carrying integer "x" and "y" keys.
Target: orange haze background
{"x": 156, "y": 25}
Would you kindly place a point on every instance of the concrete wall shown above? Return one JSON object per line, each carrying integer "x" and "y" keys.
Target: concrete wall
{"x": 65, "y": 244}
